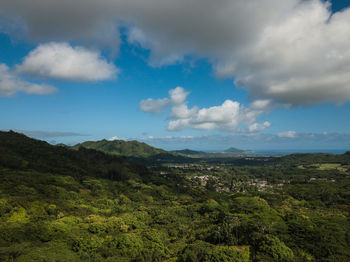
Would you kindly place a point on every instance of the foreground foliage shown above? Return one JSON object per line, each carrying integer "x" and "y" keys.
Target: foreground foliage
{"x": 58, "y": 204}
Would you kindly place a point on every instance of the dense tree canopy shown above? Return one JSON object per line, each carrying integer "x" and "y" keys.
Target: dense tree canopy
{"x": 59, "y": 204}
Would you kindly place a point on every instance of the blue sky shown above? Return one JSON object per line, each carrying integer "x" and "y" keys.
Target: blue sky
{"x": 150, "y": 78}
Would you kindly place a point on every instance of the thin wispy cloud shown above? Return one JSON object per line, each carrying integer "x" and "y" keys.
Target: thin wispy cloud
{"x": 287, "y": 134}
{"x": 11, "y": 83}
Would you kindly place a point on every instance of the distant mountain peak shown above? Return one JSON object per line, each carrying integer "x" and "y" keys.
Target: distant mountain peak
{"x": 236, "y": 150}
{"x": 188, "y": 152}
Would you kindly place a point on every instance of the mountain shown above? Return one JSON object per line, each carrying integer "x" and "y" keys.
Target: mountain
{"x": 188, "y": 152}
{"x": 133, "y": 150}
{"x": 122, "y": 148}
{"x": 20, "y": 152}
{"x": 233, "y": 150}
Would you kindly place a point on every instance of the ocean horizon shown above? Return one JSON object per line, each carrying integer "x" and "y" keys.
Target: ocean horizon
{"x": 298, "y": 151}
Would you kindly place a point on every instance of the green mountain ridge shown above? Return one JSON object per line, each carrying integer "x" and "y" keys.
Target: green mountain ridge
{"x": 18, "y": 151}
{"x": 133, "y": 150}
{"x": 122, "y": 148}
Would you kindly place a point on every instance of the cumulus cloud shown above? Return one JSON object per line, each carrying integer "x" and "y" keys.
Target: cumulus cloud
{"x": 154, "y": 106}
{"x": 180, "y": 109}
{"x": 225, "y": 116}
{"x": 304, "y": 59}
{"x": 256, "y": 127}
{"x": 113, "y": 138}
{"x": 292, "y": 52}
{"x": 11, "y": 83}
{"x": 176, "y": 98}
{"x": 64, "y": 62}
{"x": 288, "y": 134}
{"x": 229, "y": 116}
{"x": 178, "y": 95}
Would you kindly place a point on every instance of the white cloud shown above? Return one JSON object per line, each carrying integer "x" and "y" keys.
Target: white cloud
{"x": 229, "y": 116}
{"x": 154, "y": 106}
{"x": 178, "y": 95}
{"x": 293, "y": 52}
{"x": 177, "y": 98}
{"x": 182, "y": 111}
{"x": 288, "y": 134}
{"x": 62, "y": 61}
{"x": 225, "y": 116}
{"x": 256, "y": 127}
{"x": 113, "y": 138}
{"x": 10, "y": 84}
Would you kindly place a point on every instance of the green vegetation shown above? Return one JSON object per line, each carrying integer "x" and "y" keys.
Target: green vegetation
{"x": 133, "y": 150}
{"x": 59, "y": 204}
{"x": 122, "y": 148}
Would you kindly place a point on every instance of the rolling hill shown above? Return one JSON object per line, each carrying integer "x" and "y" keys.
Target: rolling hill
{"x": 133, "y": 150}
{"x": 122, "y": 148}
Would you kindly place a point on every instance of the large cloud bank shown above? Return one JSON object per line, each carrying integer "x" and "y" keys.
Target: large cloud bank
{"x": 292, "y": 52}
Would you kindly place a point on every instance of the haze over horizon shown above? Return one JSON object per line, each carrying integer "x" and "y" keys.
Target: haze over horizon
{"x": 178, "y": 74}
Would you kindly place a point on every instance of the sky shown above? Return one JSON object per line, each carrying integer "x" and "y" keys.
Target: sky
{"x": 199, "y": 74}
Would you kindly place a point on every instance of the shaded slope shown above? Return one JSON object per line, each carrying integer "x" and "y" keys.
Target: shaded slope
{"x": 18, "y": 151}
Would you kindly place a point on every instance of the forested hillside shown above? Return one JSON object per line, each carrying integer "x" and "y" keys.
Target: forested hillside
{"x": 122, "y": 148}
{"x": 59, "y": 204}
